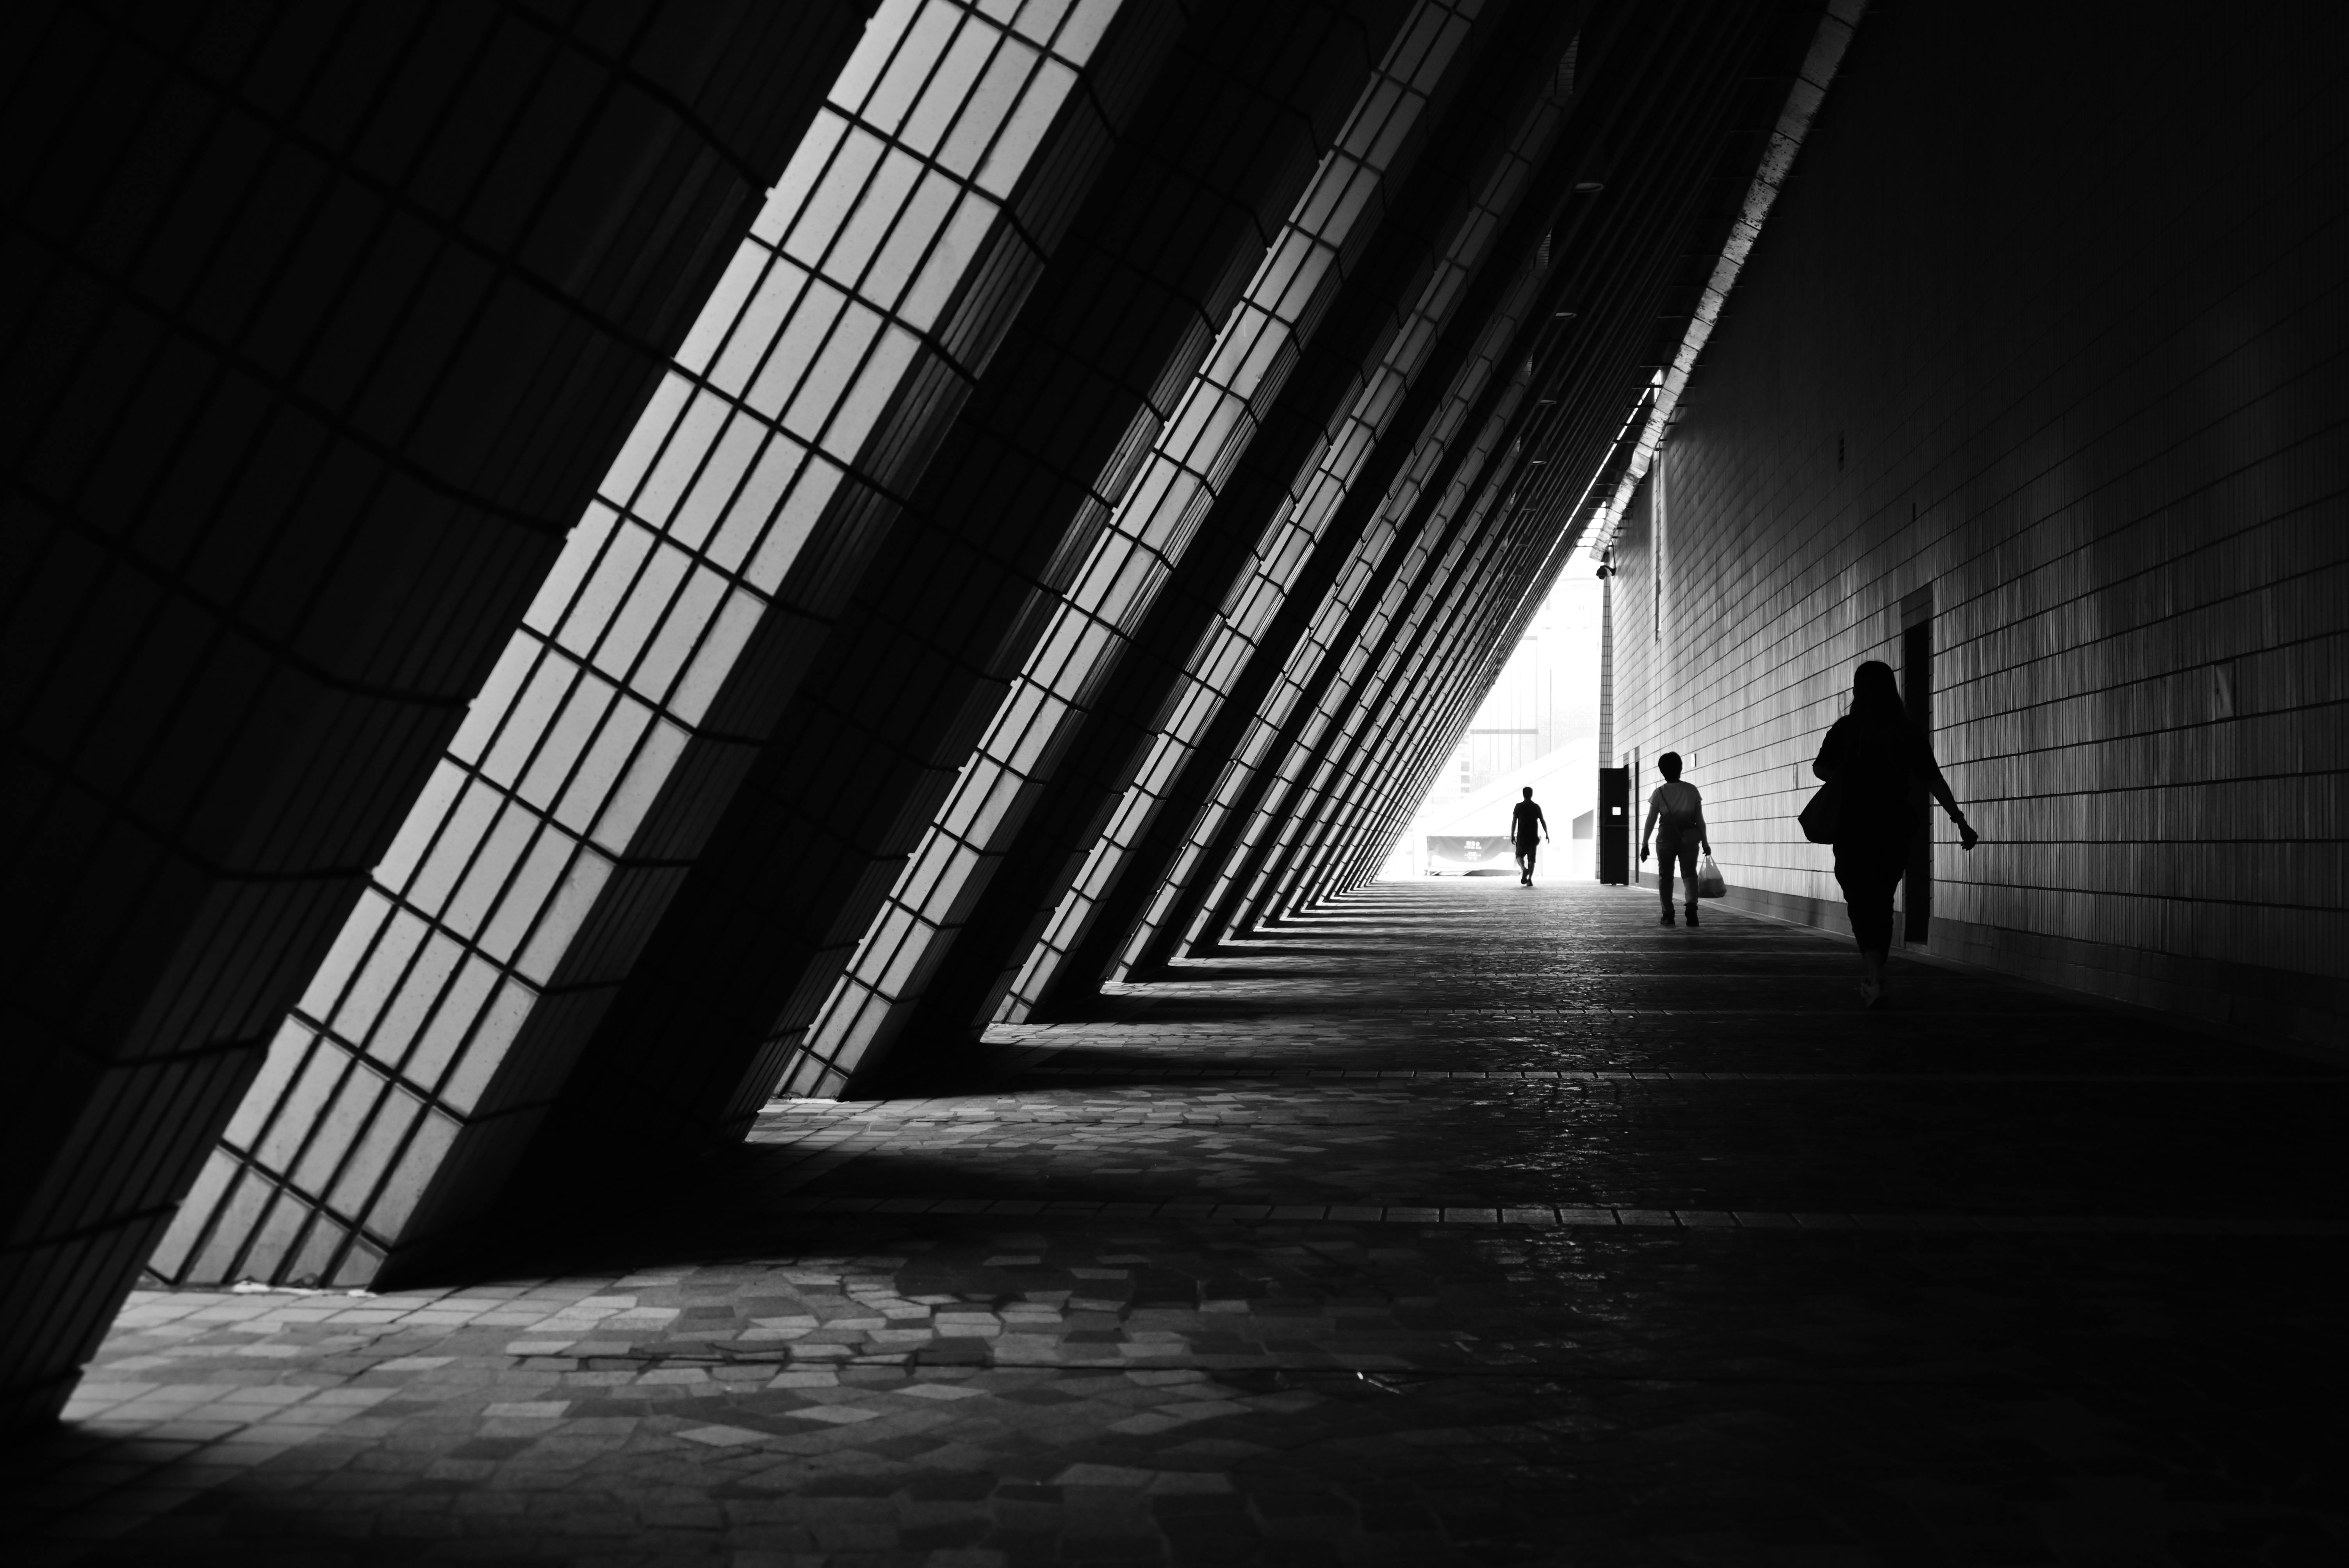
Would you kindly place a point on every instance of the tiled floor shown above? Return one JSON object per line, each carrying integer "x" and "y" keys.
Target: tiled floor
{"x": 1463, "y": 1224}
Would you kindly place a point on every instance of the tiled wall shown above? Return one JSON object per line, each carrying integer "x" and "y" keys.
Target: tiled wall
{"x": 427, "y": 1045}
{"x": 993, "y": 588}
{"x": 1149, "y": 520}
{"x": 1278, "y": 795}
{"x": 1263, "y": 541}
{"x": 1429, "y": 681}
{"x": 1395, "y": 732}
{"x": 1202, "y": 503}
{"x": 1205, "y": 151}
{"x": 2044, "y": 344}
{"x": 319, "y": 321}
{"x": 1361, "y": 565}
{"x": 1325, "y": 296}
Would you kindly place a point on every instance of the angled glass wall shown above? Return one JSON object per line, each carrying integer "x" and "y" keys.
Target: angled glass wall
{"x": 1288, "y": 545}
{"x": 1326, "y": 776}
{"x": 1129, "y": 561}
{"x": 1365, "y": 791}
{"x": 1413, "y": 584}
{"x": 520, "y": 887}
{"x": 1410, "y": 517}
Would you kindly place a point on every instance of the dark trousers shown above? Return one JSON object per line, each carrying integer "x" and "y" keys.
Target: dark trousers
{"x": 1868, "y": 872}
{"x": 1676, "y": 844}
{"x": 1526, "y": 849}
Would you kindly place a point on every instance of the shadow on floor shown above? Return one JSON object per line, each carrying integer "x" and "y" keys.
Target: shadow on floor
{"x": 691, "y": 1362}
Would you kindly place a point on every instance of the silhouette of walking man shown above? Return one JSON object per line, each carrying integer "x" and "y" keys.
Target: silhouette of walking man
{"x": 1681, "y": 812}
{"x": 1871, "y": 755}
{"x": 1525, "y": 821}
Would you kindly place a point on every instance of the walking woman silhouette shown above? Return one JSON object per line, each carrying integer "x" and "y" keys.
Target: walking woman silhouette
{"x": 1871, "y": 755}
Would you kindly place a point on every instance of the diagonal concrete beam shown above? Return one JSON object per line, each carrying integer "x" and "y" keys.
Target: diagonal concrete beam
{"x": 323, "y": 320}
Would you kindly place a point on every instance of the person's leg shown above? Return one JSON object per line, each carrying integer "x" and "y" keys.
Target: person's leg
{"x": 1668, "y": 848}
{"x": 1883, "y": 875}
{"x": 1688, "y": 873}
{"x": 1868, "y": 896}
{"x": 1890, "y": 870}
{"x": 1879, "y": 945}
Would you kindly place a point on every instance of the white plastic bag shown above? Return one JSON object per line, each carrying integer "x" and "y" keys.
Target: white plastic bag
{"x": 1709, "y": 880}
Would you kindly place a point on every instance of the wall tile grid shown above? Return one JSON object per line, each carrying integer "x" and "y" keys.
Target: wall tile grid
{"x": 1129, "y": 562}
{"x": 1424, "y": 586}
{"x": 1401, "y": 507}
{"x": 1255, "y": 589}
{"x": 2097, "y": 413}
{"x": 1399, "y": 688}
{"x": 518, "y": 887}
{"x": 1674, "y": 145}
{"x": 1145, "y": 505}
{"x": 1388, "y": 740}
{"x": 1613, "y": 270}
{"x": 1307, "y": 843}
{"x": 1304, "y": 773}
{"x": 1338, "y": 838}
{"x": 1441, "y": 658}
{"x": 313, "y": 313}
{"x": 1285, "y": 554}
{"x": 1170, "y": 210}
{"x": 1370, "y": 764}
{"x": 1027, "y": 903}
{"x": 1382, "y": 759}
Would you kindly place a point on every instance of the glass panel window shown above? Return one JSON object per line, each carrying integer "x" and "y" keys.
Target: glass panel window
{"x": 733, "y": 473}
{"x": 1151, "y": 523}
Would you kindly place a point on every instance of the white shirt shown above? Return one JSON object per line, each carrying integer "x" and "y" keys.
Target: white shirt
{"x": 1676, "y": 805}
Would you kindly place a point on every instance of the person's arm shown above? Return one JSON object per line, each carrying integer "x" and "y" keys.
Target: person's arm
{"x": 1544, "y": 820}
{"x": 1703, "y": 834}
{"x": 1650, "y": 828}
{"x": 1967, "y": 837}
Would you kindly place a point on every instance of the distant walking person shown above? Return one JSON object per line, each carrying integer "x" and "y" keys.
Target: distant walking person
{"x": 1680, "y": 810}
{"x": 1527, "y": 821}
{"x": 1871, "y": 756}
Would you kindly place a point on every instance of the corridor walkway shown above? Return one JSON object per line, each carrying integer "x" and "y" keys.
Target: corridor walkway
{"x": 1457, "y": 1223}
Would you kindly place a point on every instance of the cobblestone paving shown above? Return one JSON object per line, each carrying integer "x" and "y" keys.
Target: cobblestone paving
{"x": 1463, "y": 1224}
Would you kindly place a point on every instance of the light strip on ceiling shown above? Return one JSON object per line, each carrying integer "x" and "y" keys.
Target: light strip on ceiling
{"x": 1810, "y": 88}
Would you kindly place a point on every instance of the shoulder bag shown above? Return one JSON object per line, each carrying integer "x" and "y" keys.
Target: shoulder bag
{"x": 1818, "y": 818}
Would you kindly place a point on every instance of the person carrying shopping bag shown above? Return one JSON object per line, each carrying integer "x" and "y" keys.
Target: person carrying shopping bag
{"x": 1680, "y": 810}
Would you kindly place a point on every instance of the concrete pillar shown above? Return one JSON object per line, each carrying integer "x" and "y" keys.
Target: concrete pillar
{"x": 1052, "y": 756}
{"x": 1217, "y": 769}
{"x": 757, "y": 489}
{"x": 1297, "y": 558}
{"x": 324, "y": 319}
